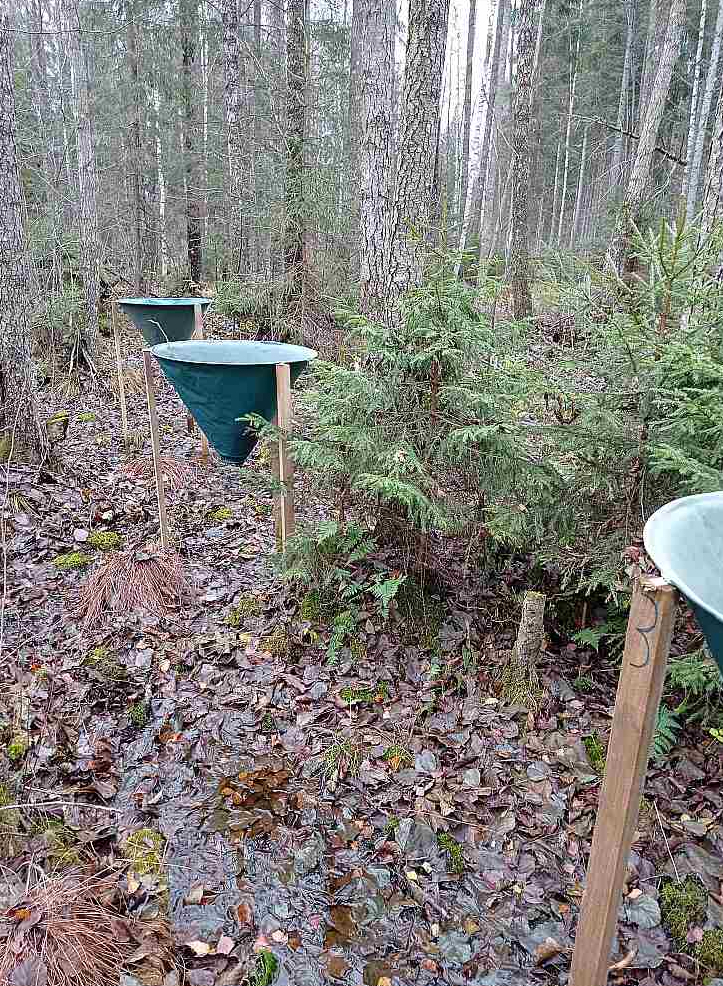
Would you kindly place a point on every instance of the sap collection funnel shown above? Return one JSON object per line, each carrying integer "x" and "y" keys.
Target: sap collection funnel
{"x": 220, "y": 382}
{"x": 685, "y": 540}
{"x": 163, "y": 319}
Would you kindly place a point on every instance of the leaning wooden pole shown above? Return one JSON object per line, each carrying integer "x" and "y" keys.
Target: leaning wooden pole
{"x": 650, "y": 628}
{"x": 119, "y": 369}
{"x": 198, "y": 334}
{"x": 156, "y": 446}
{"x": 284, "y": 507}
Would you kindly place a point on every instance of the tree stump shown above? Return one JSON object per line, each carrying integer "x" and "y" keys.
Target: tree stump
{"x": 519, "y": 678}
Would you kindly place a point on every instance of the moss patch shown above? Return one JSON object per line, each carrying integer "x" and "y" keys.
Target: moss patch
{"x": 277, "y": 643}
{"x": 682, "y": 906}
{"x": 6, "y": 446}
{"x": 267, "y": 965}
{"x": 105, "y": 540}
{"x": 138, "y": 715}
{"x": 144, "y": 851}
{"x": 245, "y": 607}
{"x": 62, "y": 851}
{"x": 102, "y": 661}
{"x": 86, "y": 416}
{"x": 709, "y": 951}
{"x": 71, "y": 560}
{"x": 422, "y": 614}
{"x": 310, "y": 608}
{"x": 358, "y": 648}
{"x": 398, "y": 756}
{"x": 364, "y": 694}
{"x": 221, "y": 514}
{"x": 17, "y": 748}
{"x": 9, "y": 821}
{"x": 595, "y": 749}
{"x": 453, "y": 850}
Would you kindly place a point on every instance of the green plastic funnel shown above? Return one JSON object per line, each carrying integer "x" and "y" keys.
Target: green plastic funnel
{"x": 220, "y": 382}
{"x": 163, "y": 319}
{"x": 685, "y": 540}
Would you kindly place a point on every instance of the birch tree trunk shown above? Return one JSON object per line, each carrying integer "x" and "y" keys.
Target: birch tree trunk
{"x": 162, "y": 245}
{"x": 519, "y": 255}
{"x": 296, "y": 73}
{"x": 467, "y": 115}
{"x": 618, "y": 248}
{"x": 375, "y": 53}
{"x": 713, "y": 193}
{"x": 575, "y": 229}
{"x": 86, "y": 334}
{"x": 693, "y": 115}
{"x": 189, "y": 44}
{"x": 414, "y": 204}
{"x": 711, "y": 81}
{"x": 20, "y": 426}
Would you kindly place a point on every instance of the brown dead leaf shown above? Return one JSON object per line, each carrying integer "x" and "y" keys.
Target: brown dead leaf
{"x": 547, "y": 950}
{"x": 199, "y": 948}
{"x": 225, "y": 945}
{"x": 624, "y": 962}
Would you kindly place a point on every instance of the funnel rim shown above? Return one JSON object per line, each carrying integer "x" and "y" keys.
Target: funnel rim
{"x": 164, "y": 302}
{"x": 651, "y": 530}
{"x": 301, "y": 354}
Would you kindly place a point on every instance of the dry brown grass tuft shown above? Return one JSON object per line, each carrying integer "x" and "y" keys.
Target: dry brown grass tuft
{"x": 176, "y": 472}
{"x": 62, "y": 931}
{"x": 149, "y": 579}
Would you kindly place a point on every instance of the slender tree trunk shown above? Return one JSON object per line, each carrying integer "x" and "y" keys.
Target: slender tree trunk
{"x": 189, "y": 99}
{"x": 574, "y": 65}
{"x": 375, "y": 53}
{"x": 575, "y": 230}
{"x": 414, "y": 204}
{"x": 555, "y": 191}
{"x": 134, "y": 142}
{"x": 519, "y": 257}
{"x": 713, "y": 192}
{"x": 467, "y": 115}
{"x": 20, "y": 425}
{"x": 85, "y": 338}
{"x": 617, "y": 168}
{"x": 693, "y": 115}
{"x": 712, "y": 80}
{"x": 656, "y": 25}
{"x": 203, "y": 52}
{"x": 162, "y": 248}
{"x": 232, "y": 105}
{"x": 538, "y": 45}
{"x": 296, "y": 75}
{"x": 618, "y": 248}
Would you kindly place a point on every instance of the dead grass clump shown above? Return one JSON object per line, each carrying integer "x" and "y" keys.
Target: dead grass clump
{"x": 149, "y": 579}
{"x": 62, "y": 931}
{"x": 177, "y": 473}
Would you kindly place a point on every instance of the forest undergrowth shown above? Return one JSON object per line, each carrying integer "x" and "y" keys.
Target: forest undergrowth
{"x": 308, "y": 772}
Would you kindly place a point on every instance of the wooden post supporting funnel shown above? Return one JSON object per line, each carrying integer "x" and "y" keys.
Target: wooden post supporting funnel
{"x": 156, "y": 446}
{"x": 284, "y": 507}
{"x": 650, "y": 628}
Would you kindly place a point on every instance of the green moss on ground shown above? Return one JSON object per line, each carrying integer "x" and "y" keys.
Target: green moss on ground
{"x": 102, "y": 661}
{"x": 71, "y": 560}
{"x": 105, "y": 540}
{"x": 138, "y": 714}
{"x": 221, "y": 514}
{"x": 682, "y": 906}
{"x": 61, "y": 843}
{"x": 358, "y": 648}
{"x": 596, "y": 753}
{"x": 144, "y": 851}
{"x": 277, "y": 643}
{"x": 9, "y": 822}
{"x": 709, "y": 951}
{"x": 86, "y": 416}
{"x": 398, "y": 756}
{"x": 364, "y": 693}
{"x": 455, "y": 857}
{"x": 310, "y": 608}
{"x": 245, "y": 607}
{"x": 17, "y": 748}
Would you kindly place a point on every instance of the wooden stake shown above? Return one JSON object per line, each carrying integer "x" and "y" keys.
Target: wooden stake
{"x": 650, "y": 628}
{"x": 121, "y": 382}
{"x": 285, "y": 519}
{"x": 198, "y": 334}
{"x": 156, "y": 446}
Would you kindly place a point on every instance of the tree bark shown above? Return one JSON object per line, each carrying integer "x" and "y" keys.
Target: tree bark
{"x": 617, "y": 169}
{"x": 618, "y": 248}
{"x": 693, "y": 115}
{"x": 713, "y": 194}
{"x": 519, "y": 258}
{"x": 140, "y": 220}
{"x": 575, "y": 230}
{"x": 519, "y": 677}
{"x": 574, "y": 65}
{"x": 467, "y": 116}
{"x": 711, "y": 81}
{"x": 296, "y": 77}
{"x": 194, "y": 223}
{"x": 237, "y": 122}
{"x": 375, "y": 54}
{"x": 20, "y": 426}
{"x": 415, "y": 206}
{"x": 162, "y": 245}
{"x": 84, "y": 342}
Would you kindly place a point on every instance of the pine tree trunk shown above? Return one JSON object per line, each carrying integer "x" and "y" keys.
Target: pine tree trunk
{"x": 296, "y": 75}
{"x": 618, "y": 248}
{"x": 85, "y": 337}
{"x": 375, "y": 53}
{"x": 189, "y": 99}
{"x": 712, "y": 80}
{"x": 20, "y": 426}
{"x": 467, "y": 116}
{"x": 519, "y": 259}
{"x": 415, "y": 205}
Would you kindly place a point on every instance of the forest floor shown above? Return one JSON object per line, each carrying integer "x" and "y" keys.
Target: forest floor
{"x": 413, "y": 830}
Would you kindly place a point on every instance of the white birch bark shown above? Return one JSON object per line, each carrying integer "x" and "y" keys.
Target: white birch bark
{"x": 693, "y": 115}
{"x": 711, "y": 81}
{"x": 575, "y": 229}
{"x": 574, "y": 65}
{"x": 467, "y": 113}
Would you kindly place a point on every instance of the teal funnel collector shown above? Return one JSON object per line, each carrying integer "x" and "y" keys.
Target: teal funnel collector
{"x": 685, "y": 540}
{"x": 163, "y": 319}
{"x": 220, "y": 382}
